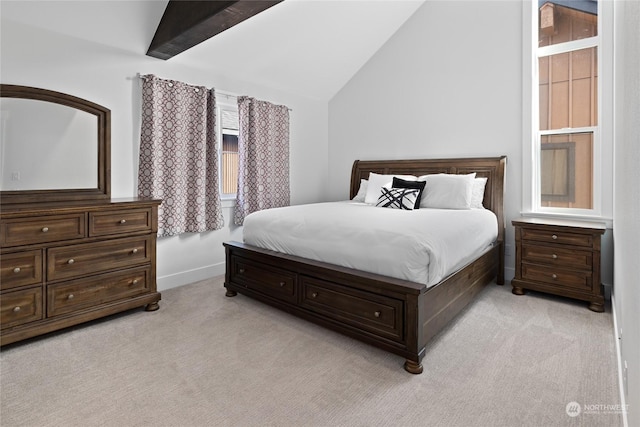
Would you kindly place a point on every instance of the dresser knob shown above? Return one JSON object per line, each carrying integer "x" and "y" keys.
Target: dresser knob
{"x": 16, "y": 309}
{"x": 377, "y": 314}
{"x": 134, "y": 282}
{"x": 554, "y": 256}
{"x": 45, "y": 229}
{"x": 282, "y": 284}
{"x": 554, "y": 237}
{"x": 71, "y": 296}
{"x": 71, "y": 261}
{"x": 123, "y": 221}
{"x": 241, "y": 271}
{"x": 554, "y": 276}
{"x": 134, "y": 251}
{"x": 313, "y": 295}
{"x": 16, "y": 270}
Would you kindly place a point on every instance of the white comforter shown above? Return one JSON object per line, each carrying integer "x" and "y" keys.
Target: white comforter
{"x": 422, "y": 245}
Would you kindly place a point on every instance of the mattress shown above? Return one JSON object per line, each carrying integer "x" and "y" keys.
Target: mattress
{"x": 422, "y": 245}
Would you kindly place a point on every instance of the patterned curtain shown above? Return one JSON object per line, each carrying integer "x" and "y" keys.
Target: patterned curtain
{"x": 263, "y": 157}
{"x": 178, "y": 156}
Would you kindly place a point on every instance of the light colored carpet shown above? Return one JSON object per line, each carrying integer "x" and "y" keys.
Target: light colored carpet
{"x": 207, "y": 360}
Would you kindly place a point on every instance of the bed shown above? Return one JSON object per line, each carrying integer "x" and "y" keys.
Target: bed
{"x": 392, "y": 313}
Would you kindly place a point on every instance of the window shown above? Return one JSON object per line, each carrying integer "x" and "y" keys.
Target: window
{"x": 566, "y": 175}
{"x": 228, "y": 126}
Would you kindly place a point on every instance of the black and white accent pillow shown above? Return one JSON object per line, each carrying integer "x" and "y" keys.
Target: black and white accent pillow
{"x": 398, "y": 198}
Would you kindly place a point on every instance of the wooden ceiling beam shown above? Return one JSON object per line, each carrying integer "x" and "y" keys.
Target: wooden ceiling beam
{"x": 185, "y": 24}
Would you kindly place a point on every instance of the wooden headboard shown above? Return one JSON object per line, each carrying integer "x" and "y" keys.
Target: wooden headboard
{"x": 493, "y": 168}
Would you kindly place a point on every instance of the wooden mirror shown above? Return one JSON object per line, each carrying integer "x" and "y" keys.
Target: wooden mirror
{"x": 53, "y": 147}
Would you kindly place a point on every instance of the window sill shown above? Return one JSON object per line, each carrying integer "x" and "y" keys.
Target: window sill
{"x": 228, "y": 203}
{"x": 555, "y": 215}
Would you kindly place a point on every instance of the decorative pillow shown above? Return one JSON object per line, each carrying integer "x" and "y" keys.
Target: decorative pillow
{"x": 398, "y": 198}
{"x": 447, "y": 191}
{"x": 416, "y": 185}
{"x": 477, "y": 193}
{"x": 362, "y": 191}
{"x": 377, "y": 181}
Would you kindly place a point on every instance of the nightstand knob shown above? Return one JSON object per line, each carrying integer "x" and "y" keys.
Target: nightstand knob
{"x": 554, "y": 256}
{"x": 16, "y": 270}
{"x": 241, "y": 270}
{"x": 16, "y": 309}
{"x": 554, "y": 237}
{"x": 134, "y": 282}
{"x": 281, "y": 284}
{"x": 134, "y": 251}
{"x": 554, "y": 276}
{"x": 45, "y": 229}
{"x": 71, "y": 261}
{"x": 122, "y": 221}
{"x": 313, "y": 295}
{"x": 377, "y": 314}
{"x": 71, "y": 296}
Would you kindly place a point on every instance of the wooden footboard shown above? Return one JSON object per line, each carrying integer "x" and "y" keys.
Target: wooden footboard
{"x": 395, "y": 315}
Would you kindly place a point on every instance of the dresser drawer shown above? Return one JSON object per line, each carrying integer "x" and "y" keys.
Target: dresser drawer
{"x": 265, "y": 279}
{"x": 20, "y": 269}
{"x": 563, "y": 238}
{"x": 90, "y": 258}
{"x": 67, "y": 297}
{"x": 374, "y": 313}
{"x": 117, "y": 222}
{"x": 557, "y": 255}
{"x": 19, "y": 307}
{"x": 582, "y": 280}
{"x": 25, "y": 231}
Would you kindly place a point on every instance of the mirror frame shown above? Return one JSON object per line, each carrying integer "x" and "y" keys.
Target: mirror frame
{"x": 103, "y": 115}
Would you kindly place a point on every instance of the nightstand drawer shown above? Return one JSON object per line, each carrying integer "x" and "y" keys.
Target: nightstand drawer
{"x": 582, "y": 280}
{"x": 21, "y": 269}
{"x": 557, "y": 237}
{"x": 19, "y": 307}
{"x": 556, "y": 255}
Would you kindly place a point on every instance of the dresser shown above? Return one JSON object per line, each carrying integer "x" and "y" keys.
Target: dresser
{"x": 66, "y": 263}
{"x": 560, "y": 257}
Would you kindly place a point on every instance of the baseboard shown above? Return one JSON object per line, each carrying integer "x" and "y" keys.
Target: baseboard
{"x": 190, "y": 276}
{"x": 623, "y": 402}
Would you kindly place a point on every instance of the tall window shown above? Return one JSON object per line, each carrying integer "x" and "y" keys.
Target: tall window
{"x": 228, "y": 125}
{"x": 567, "y": 136}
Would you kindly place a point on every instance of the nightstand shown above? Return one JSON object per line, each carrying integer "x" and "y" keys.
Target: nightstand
{"x": 560, "y": 257}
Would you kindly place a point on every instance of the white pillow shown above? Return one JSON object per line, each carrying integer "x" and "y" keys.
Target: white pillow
{"x": 447, "y": 191}
{"x": 377, "y": 181}
{"x": 362, "y": 191}
{"x": 477, "y": 194}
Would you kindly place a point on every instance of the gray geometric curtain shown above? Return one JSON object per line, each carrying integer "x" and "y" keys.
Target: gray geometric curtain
{"x": 178, "y": 156}
{"x": 263, "y": 157}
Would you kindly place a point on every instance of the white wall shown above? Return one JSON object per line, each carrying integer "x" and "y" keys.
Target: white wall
{"x": 106, "y": 75}
{"x": 626, "y": 290}
{"x": 447, "y": 84}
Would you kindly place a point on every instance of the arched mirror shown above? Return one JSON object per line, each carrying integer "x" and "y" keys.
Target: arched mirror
{"x": 53, "y": 147}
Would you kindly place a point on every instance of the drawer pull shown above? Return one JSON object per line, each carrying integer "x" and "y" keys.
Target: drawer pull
{"x": 134, "y": 251}
{"x": 123, "y": 221}
{"x": 71, "y": 261}
{"x": 377, "y": 314}
{"x": 16, "y": 270}
{"x": 554, "y": 237}
{"x": 554, "y": 276}
{"x": 554, "y": 256}
{"x": 282, "y": 284}
{"x": 134, "y": 282}
{"x": 45, "y": 229}
{"x": 241, "y": 271}
{"x": 314, "y": 295}
{"x": 16, "y": 309}
{"x": 71, "y": 296}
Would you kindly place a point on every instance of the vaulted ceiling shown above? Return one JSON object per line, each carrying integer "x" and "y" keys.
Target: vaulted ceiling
{"x": 309, "y": 47}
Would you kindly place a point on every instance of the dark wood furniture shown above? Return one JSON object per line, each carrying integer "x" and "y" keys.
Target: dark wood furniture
{"x": 396, "y": 315}
{"x": 66, "y": 264}
{"x": 560, "y": 257}
{"x": 70, "y": 255}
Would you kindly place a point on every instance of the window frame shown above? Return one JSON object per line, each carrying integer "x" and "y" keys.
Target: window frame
{"x": 602, "y": 185}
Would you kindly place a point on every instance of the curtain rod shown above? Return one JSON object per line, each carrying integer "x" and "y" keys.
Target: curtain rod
{"x": 216, "y": 91}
